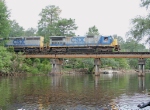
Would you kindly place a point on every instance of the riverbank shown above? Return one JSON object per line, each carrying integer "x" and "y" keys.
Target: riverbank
{"x": 77, "y": 71}
{"x": 104, "y": 71}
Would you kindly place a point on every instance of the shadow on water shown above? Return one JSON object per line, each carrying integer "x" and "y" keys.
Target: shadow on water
{"x": 74, "y": 92}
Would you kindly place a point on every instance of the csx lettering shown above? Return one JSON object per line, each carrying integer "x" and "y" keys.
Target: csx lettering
{"x": 78, "y": 39}
{"x": 18, "y": 41}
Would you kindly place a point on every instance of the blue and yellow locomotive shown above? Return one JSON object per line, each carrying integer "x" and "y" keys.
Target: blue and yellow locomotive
{"x": 83, "y": 44}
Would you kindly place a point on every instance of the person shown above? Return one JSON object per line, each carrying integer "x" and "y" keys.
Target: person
{"x": 105, "y": 39}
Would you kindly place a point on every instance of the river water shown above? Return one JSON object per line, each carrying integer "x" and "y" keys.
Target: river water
{"x": 75, "y": 92}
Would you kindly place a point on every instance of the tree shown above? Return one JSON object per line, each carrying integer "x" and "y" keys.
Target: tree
{"x": 66, "y": 27}
{"x": 140, "y": 29}
{"x": 30, "y": 32}
{"x": 131, "y": 45}
{"x": 141, "y": 25}
{"x": 16, "y": 30}
{"x": 49, "y": 15}
{"x": 52, "y": 25}
{"x": 93, "y": 31}
{"x": 145, "y": 3}
{"x": 4, "y": 20}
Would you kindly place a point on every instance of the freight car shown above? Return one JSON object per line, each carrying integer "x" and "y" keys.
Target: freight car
{"x": 82, "y": 44}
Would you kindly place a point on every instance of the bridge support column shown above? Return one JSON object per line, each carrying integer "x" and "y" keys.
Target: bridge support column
{"x": 141, "y": 63}
{"x": 96, "y": 64}
{"x": 56, "y": 66}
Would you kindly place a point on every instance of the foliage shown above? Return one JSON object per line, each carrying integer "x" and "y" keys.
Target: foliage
{"x": 51, "y": 24}
{"x": 133, "y": 62}
{"x": 30, "y": 32}
{"x": 131, "y": 45}
{"x": 141, "y": 25}
{"x": 4, "y": 20}
{"x": 16, "y": 30}
{"x": 147, "y": 66}
{"x": 5, "y": 60}
{"x": 93, "y": 31}
{"x": 49, "y": 16}
{"x": 11, "y": 62}
{"x": 66, "y": 27}
{"x": 145, "y": 3}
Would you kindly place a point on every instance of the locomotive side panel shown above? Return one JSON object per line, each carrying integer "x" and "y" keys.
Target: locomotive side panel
{"x": 91, "y": 40}
{"x": 32, "y": 42}
{"x": 57, "y": 41}
{"x": 25, "y": 43}
{"x": 16, "y": 42}
{"x": 75, "y": 41}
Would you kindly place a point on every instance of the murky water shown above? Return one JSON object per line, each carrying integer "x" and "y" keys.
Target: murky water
{"x": 74, "y": 92}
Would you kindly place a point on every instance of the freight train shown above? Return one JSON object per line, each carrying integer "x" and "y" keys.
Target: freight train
{"x": 62, "y": 44}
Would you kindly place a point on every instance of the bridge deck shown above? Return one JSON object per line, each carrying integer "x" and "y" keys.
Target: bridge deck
{"x": 101, "y": 55}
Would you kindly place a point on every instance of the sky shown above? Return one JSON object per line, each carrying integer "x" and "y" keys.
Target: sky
{"x": 109, "y": 16}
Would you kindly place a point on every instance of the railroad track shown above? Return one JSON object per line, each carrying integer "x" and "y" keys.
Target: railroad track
{"x": 91, "y": 55}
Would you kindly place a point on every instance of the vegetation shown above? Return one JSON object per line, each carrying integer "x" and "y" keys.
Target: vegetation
{"x": 4, "y": 20}
{"x": 15, "y": 30}
{"x": 51, "y": 24}
{"x": 141, "y": 25}
{"x": 93, "y": 31}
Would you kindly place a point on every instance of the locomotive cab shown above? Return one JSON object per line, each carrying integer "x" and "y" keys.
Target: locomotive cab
{"x": 105, "y": 40}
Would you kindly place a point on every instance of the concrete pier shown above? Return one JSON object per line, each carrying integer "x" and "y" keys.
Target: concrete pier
{"x": 56, "y": 66}
{"x": 141, "y": 63}
{"x": 96, "y": 64}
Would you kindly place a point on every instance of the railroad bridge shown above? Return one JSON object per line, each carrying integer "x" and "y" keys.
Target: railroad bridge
{"x": 56, "y": 62}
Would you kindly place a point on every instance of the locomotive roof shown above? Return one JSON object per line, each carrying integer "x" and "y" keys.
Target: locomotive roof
{"x": 57, "y": 36}
{"x": 25, "y": 37}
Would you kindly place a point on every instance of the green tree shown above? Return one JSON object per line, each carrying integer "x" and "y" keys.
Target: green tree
{"x": 133, "y": 63}
{"x": 145, "y": 3}
{"x": 49, "y": 15}
{"x": 93, "y": 31}
{"x": 4, "y": 20}
{"x": 66, "y": 27}
{"x": 16, "y": 30}
{"x": 30, "y": 32}
{"x": 131, "y": 45}
{"x": 141, "y": 25}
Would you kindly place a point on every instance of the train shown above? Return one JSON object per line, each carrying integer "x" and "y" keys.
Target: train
{"x": 63, "y": 44}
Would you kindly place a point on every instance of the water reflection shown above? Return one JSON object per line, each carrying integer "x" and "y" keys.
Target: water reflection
{"x": 141, "y": 83}
{"x": 56, "y": 81}
{"x": 74, "y": 92}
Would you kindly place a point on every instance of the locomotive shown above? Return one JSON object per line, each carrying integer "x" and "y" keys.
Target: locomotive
{"x": 62, "y": 44}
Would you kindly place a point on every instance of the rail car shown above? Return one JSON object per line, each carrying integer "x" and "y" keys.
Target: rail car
{"x": 85, "y": 44}
{"x": 26, "y": 44}
{"x": 62, "y": 44}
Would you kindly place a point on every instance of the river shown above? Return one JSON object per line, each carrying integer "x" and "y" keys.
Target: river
{"x": 74, "y": 92}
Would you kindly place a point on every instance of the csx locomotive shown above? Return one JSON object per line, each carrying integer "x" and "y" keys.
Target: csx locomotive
{"x": 62, "y": 44}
